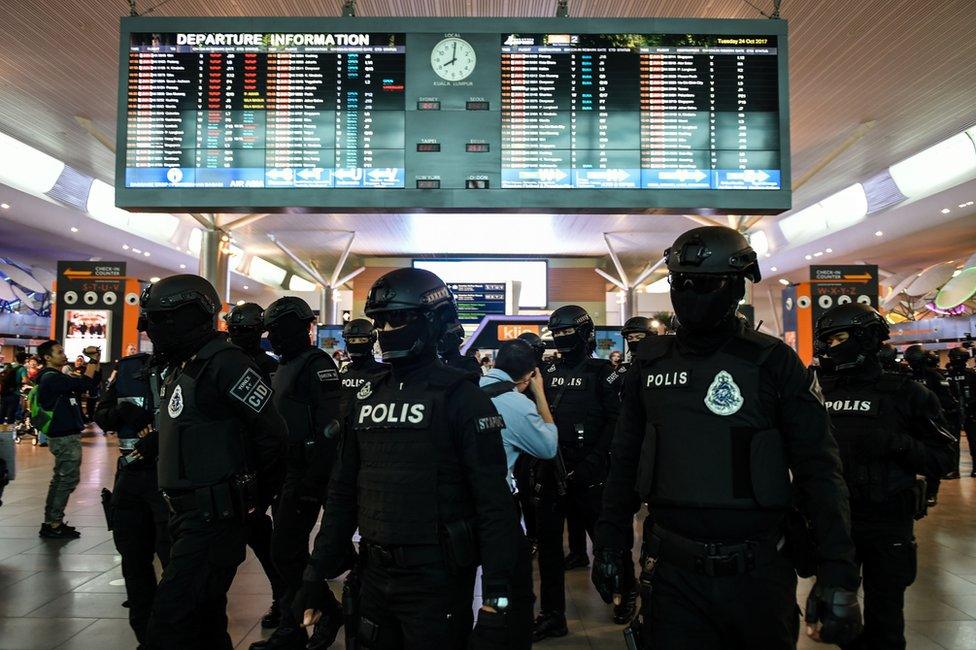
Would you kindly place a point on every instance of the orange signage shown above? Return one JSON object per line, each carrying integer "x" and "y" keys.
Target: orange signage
{"x": 514, "y": 330}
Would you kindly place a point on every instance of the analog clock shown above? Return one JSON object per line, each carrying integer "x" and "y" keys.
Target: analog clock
{"x": 453, "y": 59}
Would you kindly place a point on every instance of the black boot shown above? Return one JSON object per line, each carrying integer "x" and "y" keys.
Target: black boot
{"x": 549, "y": 624}
{"x": 272, "y": 617}
{"x": 284, "y": 638}
{"x": 625, "y": 611}
{"x": 576, "y": 561}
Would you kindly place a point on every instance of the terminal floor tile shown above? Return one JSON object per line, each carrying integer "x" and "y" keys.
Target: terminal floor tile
{"x": 68, "y": 594}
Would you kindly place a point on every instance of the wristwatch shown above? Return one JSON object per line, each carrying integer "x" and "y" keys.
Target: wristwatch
{"x": 499, "y": 603}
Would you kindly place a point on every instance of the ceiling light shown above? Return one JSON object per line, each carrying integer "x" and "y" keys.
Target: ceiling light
{"x": 956, "y": 272}
{"x": 125, "y": 247}
{"x": 946, "y": 164}
{"x": 759, "y": 242}
{"x": 154, "y": 279}
{"x": 146, "y": 253}
{"x": 5, "y": 206}
{"x": 961, "y": 205}
{"x": 818, "y": 254}
{"x": 828, "y": 250}
{"x": 878, "y": 233}
{"x": 773, "y": 269}
{"x": 27, "y": 169}
{"x": 836, "y": 212}
{"x": 808, "y": 257}
{"x": 240, "y": 302}
{"x": 182, "y": 266}
{"x": 968, "y": 203}
{"x": 136, "y": 251}
{"x": 74, "y": 229}
{"x": 296, "y": 283}
{"x": 655, "y": 324}
{"x": 947, "y": 210}
{"x": 246, "y": 287}
{"x": 784, "y": 282}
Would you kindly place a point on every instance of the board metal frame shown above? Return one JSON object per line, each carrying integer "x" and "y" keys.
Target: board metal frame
{"x": 404, "y": 200}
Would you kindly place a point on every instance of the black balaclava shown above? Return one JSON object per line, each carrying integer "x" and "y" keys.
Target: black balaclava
{"x": 704, "y": 313}
{"x": 843, "y": 357}
{"x": 289, "y": 336}
{"x": 572, "y": 347}
{"x": 359, "y": 351}
{"x": 414, "y": 343}
{"x": 247, "y": 340}
{"x": 450, "y": 343}
{"x": 178, "y": 334}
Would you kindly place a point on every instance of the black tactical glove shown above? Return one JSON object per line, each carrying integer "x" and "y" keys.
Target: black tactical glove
{"x": 837, "y": 610}
{"x": 490, "y": 633}
{"x": 312, "y": 595}
{"x": 613, "y": 573}
{"x": 148, "y": 447}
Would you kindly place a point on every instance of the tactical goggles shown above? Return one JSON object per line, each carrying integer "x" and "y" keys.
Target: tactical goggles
{"x": 396, "y": 319}
{"x": 700, "y": 282}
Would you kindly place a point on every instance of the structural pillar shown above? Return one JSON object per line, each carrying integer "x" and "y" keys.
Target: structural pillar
{"x": 215, "y": 261}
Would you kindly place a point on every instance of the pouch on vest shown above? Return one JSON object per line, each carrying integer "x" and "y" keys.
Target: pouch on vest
{"x": 768, "y": 470}
{"x": 460, "y": 544}
{"x": 645, "y": 467}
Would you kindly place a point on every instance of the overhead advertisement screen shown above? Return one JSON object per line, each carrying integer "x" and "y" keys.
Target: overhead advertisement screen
{"x": 518, "y": 115}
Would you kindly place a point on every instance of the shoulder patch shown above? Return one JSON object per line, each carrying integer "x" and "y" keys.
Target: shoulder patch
{"x": 815, "y": 388}
{"x": 491, "y": 422}
{"x": 327, "y": 374}
{"x": 551, "y": 368}
{"x": 613, "y": 376}
{"x": 365, "y": 391}
{"x": 175, "y": 406}
{"x": 251, "y": 390}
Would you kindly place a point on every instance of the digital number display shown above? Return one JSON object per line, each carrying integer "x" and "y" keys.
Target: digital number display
{"x": 267, "y": 110}
{"x": 631, "y": 111}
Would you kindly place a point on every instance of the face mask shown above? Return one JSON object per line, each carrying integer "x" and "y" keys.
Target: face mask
{"x": 843, "y": 356}
{"x": 359, "y": 349}
{"x": 404, "y": 343}
{"x": 247, "y": 340}
{"x": 705, "y": 312}
{"x": 180, "y": 331}
{"x": 568, "y": 343}
{"x": 289, "y": 337}
{"x": 449, "y": 343}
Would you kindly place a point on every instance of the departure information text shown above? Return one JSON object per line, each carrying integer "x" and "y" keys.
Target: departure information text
{"x": 265, "y": 110}
{"x": 630, "y": 111}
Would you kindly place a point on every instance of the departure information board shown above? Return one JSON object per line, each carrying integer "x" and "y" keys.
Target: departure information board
{"x": 629, "y": 111}
{"x": 265, "y": 110}
{"x": 382, "y": 114}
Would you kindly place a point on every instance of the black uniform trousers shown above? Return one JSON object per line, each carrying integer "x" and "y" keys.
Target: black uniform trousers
{"x": 259, "y": 534}
{"x": 295, "y": 518}
{"x": 190, "y": 610}
{"x": 551, "y": 518}
{"x": 757, "y": 609}
{"x": 420, "y": 607}
{"x": 969, "y": 424}
{"x": 886, "y": 552}
{"x": 140, "y": 528}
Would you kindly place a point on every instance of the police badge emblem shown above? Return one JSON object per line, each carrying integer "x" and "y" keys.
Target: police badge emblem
{"x": 365, "y": 391}
{"x": 723, "y": 396}
{"x": 175, "y": 406}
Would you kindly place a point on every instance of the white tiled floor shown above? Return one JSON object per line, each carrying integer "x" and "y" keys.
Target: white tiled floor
{"x": 56, "y": 594}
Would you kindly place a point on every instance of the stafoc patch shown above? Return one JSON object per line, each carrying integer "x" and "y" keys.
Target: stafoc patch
{"x": 612, "y": 377}
{"x": 551, "y": 368}
{"x": 251, "y": 390}
{"x": 365, "y": 391}
{"x": 723, "y": 396}
{"x": 175, "y": 406}
{"x": 328, "y": 374}
{"x": 815, "y": 388}
{"x": 491, "y": 422}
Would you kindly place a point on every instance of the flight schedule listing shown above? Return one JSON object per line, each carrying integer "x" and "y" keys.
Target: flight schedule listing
{"x": 631, "y": 111}
{"x": 265, "y": 110}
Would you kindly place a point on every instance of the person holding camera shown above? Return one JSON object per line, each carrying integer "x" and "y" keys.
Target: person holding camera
{"x": 57, "y": 398}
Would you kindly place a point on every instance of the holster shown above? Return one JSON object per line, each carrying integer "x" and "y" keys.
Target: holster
{"x": 459, "y": 544}
{"x": 350, "y": 607}
{"x": 800, "y": 543}
{"x": 919, "y": 492}
{"x": 107, "y": 507}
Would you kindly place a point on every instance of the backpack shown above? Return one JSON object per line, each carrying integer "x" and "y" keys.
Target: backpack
{"x": 41, "y": 418}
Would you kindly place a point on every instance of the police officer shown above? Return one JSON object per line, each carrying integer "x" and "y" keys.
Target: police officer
{"x": 220, "y": 442}
{"x": 306, "y": 393}
{"x": 449, "y": 349}
{"x": 712, "y": 423}
{"x": 635, "y": 330}
{"x": 421, "y": 472}
{"x": 537, "y": 344}
{"x": 360, "y": 337}
{"x": 962, "y": 380}
{"x": 888, "y": 429}
{"x": 584, "y": 404}
{"x": 925, "y": 370}
{"x": 888, "y": 358}
{"x": 138, "y": 514}
{"x": 245, "y": 325}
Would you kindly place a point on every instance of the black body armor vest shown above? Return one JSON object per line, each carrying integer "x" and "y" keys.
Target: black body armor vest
{"x": 411, "y": 481}
{"x": 292, "y": 395}
{"x": 134, "y": 384}
{"x": 200, "y": 445}
{"x": 574, "y": 396}
{"x": 709, "y": 441}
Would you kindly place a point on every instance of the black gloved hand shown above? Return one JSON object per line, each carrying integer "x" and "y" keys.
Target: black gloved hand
{"x": 837, "y": 610}
{"x": 613, "y": 572}
{"x": 592, "y": 470}
{"x": 490, "y": 633}
{"x": 148, "y": 447}
{"x": 312, "y": 595}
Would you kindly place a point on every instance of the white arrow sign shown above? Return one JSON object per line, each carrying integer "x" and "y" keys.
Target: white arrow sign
{"x": 281, "y": 174}
{"x": 749, "y": 176}
{"x": 612, "y": 175}
{"x": 684, "y": 175}
{"x": 388, "y": 174}
{"x": 544, "y": 174}
{"x": 349, "y": 174}
{"x": 312, "y": 173}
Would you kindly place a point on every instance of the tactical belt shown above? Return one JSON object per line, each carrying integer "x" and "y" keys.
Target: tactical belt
{"x": 713, "y": 559}
{"x": 402, "y": 556}
{"x": 127, "y": 444}
{"x": 181, "y": 502}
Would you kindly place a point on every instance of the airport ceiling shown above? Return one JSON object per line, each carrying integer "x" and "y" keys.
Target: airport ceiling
{"x": 903, "y": 65}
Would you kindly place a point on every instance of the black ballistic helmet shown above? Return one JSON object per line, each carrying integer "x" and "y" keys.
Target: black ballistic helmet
{"x": 289, "y": 305}
{"x": 576, "y": 317}
{"x": 888, "y": 356}
{"x": 538, "y": 345}
{"x": 637, "y": 324}
{"x": 359, "y": 328}
{"x": 178, "y": 290}
{"x": 248, "y": 317}
{"x": 959, "y": 355}
{"x": 713, "y": 250}
{"x": 415, "y": 291}
{"x": 862, "y": 322}
{"x": 917, "y": 357}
